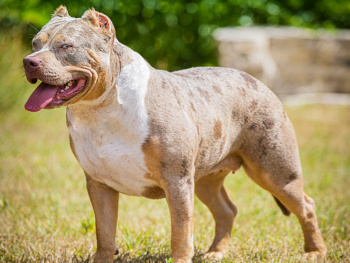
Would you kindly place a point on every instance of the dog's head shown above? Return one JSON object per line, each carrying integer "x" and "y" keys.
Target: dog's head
{"x": 74, "y": 59}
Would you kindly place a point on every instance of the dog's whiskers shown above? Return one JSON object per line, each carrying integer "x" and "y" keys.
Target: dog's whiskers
{"x": 34, "y": 28}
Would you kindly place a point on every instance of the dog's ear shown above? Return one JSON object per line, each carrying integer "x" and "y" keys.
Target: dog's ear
{"x": 61, "y": 11}
{"x": 99, "y": 20}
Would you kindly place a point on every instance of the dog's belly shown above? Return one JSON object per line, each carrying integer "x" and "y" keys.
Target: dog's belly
{"x": 115, "y": 164}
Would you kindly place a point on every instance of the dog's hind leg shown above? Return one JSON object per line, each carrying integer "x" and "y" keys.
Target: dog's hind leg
{"x": 270, "y": 155}
{"x": 211, "y": 192}
{"x": 279, "y": 171}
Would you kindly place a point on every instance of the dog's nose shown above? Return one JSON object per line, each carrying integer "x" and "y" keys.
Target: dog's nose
{"x": 31, "y": 63}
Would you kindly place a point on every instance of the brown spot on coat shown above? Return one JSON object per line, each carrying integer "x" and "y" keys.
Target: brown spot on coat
{"x": 244, "y": 92}
{"x": 204, "y": 93}
{"x": 269, "y": 123}
{"x": 217, "y": 89}
{"x": 293, "y": 176}
{"x": 42, "y": 37}
{"x": 153, "y": 157}
{"x": 250, "y": 80}
{"x": 253, "y": 126}
{"x": 192, "y": 106}
{"x": 222, "y": 145}
{"x": 153, "y": 192}
{"x": 185, "y": 164}
{"x": 217, "y": 129}
{"x": 262, "y": 147}
{"x": 58, "y": 38}
{"x": 253, "y": 105}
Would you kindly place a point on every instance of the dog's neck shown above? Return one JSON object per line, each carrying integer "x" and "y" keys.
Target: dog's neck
{"x": 122, "y": 106}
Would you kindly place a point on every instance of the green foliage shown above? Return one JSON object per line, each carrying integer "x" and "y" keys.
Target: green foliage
{"x": 177, "y": 34}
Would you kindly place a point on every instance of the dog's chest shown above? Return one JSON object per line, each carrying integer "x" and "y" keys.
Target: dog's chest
{"x": 108, "y": 138}
{"x": 111, "y": 159}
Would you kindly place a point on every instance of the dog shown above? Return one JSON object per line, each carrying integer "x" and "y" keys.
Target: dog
{"x": 145, "y": 132}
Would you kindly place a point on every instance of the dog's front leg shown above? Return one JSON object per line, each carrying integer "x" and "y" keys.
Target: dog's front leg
{"x": 180, "y": 198}
{"x": 105, "y": 204}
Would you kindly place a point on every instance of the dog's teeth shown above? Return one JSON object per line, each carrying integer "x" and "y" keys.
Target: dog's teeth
{"x": 66, "y": 88}
{"x": 70, "y": 83}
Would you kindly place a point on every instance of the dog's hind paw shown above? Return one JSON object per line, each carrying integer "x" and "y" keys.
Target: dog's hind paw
{"x": 313, "y": 256}
{"x": 213, "y": 256}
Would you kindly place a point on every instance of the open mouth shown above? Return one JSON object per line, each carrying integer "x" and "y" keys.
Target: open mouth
{"x": 54, "y": 95}
{"x": 69, "y": 90}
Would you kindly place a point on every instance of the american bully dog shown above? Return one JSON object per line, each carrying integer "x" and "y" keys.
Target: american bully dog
{"x": 144, "y": 132}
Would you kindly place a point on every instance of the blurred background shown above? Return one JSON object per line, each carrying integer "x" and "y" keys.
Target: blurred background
{"x": 174, "y": 35}
{"x": 299, "y": 48}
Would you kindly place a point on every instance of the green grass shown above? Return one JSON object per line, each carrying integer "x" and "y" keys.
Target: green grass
{"x": 45, "y": 213}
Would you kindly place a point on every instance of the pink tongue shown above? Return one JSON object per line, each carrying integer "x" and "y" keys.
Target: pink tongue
{"x": 41, "y": 96}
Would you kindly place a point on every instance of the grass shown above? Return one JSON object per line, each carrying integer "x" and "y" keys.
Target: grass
{"x": 46, "y": 216}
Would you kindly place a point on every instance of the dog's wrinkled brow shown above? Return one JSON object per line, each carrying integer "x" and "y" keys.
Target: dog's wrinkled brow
{"x": 52, "y": 27}
{"x": 42, "y": 37}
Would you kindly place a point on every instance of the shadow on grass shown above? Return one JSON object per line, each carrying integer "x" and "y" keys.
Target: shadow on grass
{"x": 163, "y": 256}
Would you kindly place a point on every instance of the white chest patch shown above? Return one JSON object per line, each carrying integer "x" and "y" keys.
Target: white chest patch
{"x": 108, "y": 139}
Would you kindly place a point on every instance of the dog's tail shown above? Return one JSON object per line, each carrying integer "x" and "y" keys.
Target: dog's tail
{"x": 284, "y": 209}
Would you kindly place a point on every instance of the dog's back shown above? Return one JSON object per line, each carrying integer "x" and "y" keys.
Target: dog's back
{"x": 223, "y": 111}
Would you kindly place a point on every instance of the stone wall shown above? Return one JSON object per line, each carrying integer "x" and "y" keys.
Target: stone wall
{"x": 288, "y": 60}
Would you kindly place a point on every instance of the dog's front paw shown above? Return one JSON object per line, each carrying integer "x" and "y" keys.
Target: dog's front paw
{"x": 103, "y": 257}
{"x": 314, "y": 256}
{"x": 213, "y": 256}
{"x": 182, "y": 260}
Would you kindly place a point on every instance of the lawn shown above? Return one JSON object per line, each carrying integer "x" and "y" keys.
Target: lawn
{"x": 45, "y": 213}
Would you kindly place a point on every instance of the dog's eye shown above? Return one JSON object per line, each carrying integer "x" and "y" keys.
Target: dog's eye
{"x": 65, "y": 46}
{"x": 35, "y": 45}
